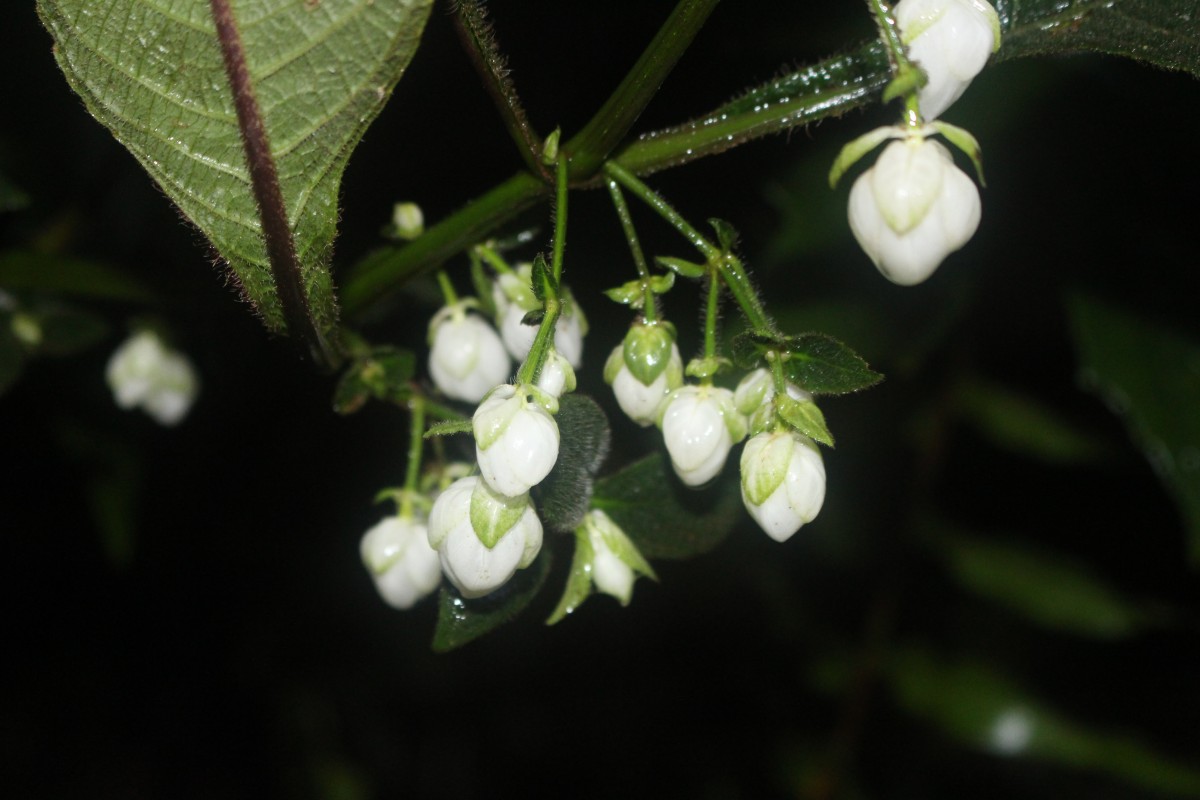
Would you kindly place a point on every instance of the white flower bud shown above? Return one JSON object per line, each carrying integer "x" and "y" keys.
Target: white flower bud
{"x": 642, "y": 402}
{"x": 482, "y": 537}
{"x": 557, "y": 376}
{"x": 616, "y": 562}
{"x": 568, "y": 333}
{"x": 700, "y": 426}
{"x": 783, "y": 482}
{"x": 755, "y": 395}
{"x": 912, "y": 209}
{"x": 403, "y": 565}
{"x": 145, "y": 373}
{"x": 408, "y": 221}
{"x": 516, "y": 439}
{"x": 467, "y": 357}
{"x": 951, "y": 41}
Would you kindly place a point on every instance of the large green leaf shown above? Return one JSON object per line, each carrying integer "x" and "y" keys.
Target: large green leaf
{"x": 1165, "y": 33}
{"x": 563, "y": 497}
{"x": 1147, "y": 374}
{"x": 662, "y": 517}
{"x": 152, "y": 71}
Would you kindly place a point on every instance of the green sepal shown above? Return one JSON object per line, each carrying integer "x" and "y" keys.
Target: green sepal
{"x": 702, "y": 368}
{"x": 550, "y": 147}
{"x": 382, "y": 373}
{"x": 629, "y": 293}
{"x": 909, "y": 79}
{"x": 727, "y": 235}
{"x": 579, "y": 579}
{"x": 621, "y": 545}
{"x": 461, "y": 621}
{"x": 493, "y": 514}
{"x": 805, "y": 417}
{"x": 448, "y": 428}
{"x": 964, "y": 140}
{"x": 760, "y": 483}
{"x": 490, "y": 426}
{"x": 647, "y": 351}
{"x": 688, "y": 269}
{"x": 852, "y": 152}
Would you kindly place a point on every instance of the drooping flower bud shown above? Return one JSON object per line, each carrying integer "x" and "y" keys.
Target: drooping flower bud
{"x": 482, "y": 537}
{"x": 700, "y": 425}
{"x": 783, "y": 482}
{"x": 144, "y": 373}
{"x": 616, "y": 562}
{"x": 467, "y": 357}
{"x": 754, "y": 397}
{"x": 643, "y": 370}
{"x": 402, "y": 564}
{"x": 516, "y": 439}
{"x": 951, "y": 41}
{"x": 557, "y": 375}
{"x": 912, "y": 209}
{"x": 514, "y": 298}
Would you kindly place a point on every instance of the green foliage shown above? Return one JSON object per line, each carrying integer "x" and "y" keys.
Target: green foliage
{"x": 815, "y": 362}
{"x": 584, "y": 435}
{"x": 321, "y": 72}
{"x": 1145, "y": 373}
{"x": 461, "y": 621}
{"x": 664, "y": 519}
{"x": 382, "y": 373}
{"x": 59, "y": 274}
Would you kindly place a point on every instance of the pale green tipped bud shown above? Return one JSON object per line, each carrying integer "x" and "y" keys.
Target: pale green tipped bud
{"x": 408, "y": 221}
{"x": 403, "y": 566}
{"x": 700, "y": 425}
{"x": 516, "y": 439}
{"x": 616, "y": 562}
{"x": 783, "y": 482}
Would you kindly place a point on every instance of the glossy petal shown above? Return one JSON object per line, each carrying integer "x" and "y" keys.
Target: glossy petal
{"x": 467, "y": 358}
{"x": 782, "y": 503}
{"x": 402, "y": 564}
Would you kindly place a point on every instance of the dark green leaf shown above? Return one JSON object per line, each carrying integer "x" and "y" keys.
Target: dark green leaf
{"x": 1146, "y": 373}
{"x": 822, "y": 365}
{"x": 461, "y": 621}
{"x": 384, "y": 374}
{"x": 1045, "y": 588}
{"x": 1165, "y": 33}
{"x": 155, "y": 75}
{"x": 542, "y": 279}
{"x": 664, "y": 518}
{"x": 1022, "y": 424}
{"x": 564, "y": 496}
{"x": 806, "y": 417}
{"x": 61, "y": 275}
{"x": 579, "y": 580}
{"x": 973, "y": 703}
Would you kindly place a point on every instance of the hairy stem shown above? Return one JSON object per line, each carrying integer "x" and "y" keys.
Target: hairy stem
{"x": 479, "y": 40}
{"x": 649, "y": 303}
{"x": 264, "y": 181}
{"x": 592, "y": 146}
{"x": 664, "y": 209}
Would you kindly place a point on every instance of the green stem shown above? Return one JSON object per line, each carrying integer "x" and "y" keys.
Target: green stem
{"x": 649, "y": 302}
{"x": 889, "y": 33}
{"x": 532, "y": 367}
{"x": 746, "y": 295}
{"x": 710, "y": 318}
{"x": 494, "y": 259}
{"x": 592, "y": 145}
{"x": 386, "y": 269}
{"x": 664, "y": 209}
{"x": 416, "y": 444}
{"x": 448, "y": 293}
{"x": 560, "y": 219}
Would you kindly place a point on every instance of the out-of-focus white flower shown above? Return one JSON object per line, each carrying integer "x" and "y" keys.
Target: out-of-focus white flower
{"x": 700, "y": 425}
{"x": 466, "y": 358}
{"x": 616, "y": 561}
{"x": 557, "y": 375}
{"x": 912, "y": 209}
{"x": 951, "y": 41}
{"x": 404, "y": 567}
{"x": 482, "y": 537}
{"x": 516, "y": 439}
{"x": 643, "y": 370}
{"x": 783, "y": 482}
{"x": 408, "y": 221}
{"x": 145, "y": 373}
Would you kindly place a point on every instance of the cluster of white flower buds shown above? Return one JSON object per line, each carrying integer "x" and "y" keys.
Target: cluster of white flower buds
{"x": 914, "y": 206}
{"x": 143, "y": 372}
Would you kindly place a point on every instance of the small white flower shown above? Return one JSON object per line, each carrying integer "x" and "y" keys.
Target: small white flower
{"x": 467, "y": 357}
{"x": 912, "y": 209}
{"x": 951, "y": 41}
{"x": 408, "y": 221}
{"x": 513, "y": 297}
{"x": 482, "y": 537}
{"x": 516, "y": 439}
{"x": 145, "y": 373}
{"x": 403, "y": 565}
{"x": 643, "y": 370}
{"x": 754, "y": 397}
{"x": 783, "y": 482}
{"x": 616, "y": 562}
{"x": 700, "y": 426}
